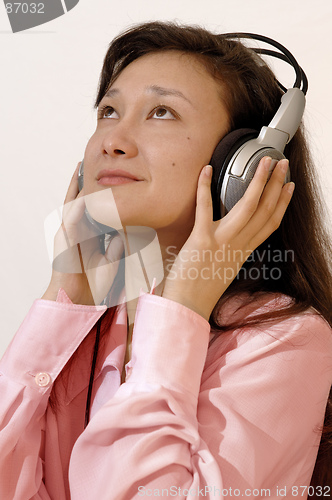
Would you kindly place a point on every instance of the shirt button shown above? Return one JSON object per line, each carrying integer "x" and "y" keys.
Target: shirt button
{"x": 43, "y": 379}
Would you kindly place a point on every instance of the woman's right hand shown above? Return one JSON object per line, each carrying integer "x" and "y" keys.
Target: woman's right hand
{"x": 80, "y": 265}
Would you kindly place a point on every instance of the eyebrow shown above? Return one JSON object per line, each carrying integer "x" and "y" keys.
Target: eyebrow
{"x": 156, "y": 89}
{"x": 166, "y": 92}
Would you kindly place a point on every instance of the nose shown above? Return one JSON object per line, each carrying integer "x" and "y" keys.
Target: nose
{"x": 119, "y": 141}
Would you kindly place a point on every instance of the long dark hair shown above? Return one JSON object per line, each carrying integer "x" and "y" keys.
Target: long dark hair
{"x": 252, "y": 95}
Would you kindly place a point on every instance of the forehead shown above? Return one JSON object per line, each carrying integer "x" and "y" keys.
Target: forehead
{"x": 180, "y": 70}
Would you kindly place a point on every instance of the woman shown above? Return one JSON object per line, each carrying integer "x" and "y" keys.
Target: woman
{"x": 227, "y": 380}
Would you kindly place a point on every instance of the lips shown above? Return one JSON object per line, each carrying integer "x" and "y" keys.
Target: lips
{"x": 116, "y": 173}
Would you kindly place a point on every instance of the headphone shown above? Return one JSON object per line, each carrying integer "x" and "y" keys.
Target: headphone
{"x": 238, "y": 154}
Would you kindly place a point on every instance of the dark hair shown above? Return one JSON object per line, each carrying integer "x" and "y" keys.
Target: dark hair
{"x": 252, "y": 95}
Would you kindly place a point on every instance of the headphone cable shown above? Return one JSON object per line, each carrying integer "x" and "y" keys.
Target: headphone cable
{"x": 92, "y": 374}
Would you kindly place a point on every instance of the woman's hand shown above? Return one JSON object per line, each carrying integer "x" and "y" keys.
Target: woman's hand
{"x": 215, "y": 250}
{"x": 80, "y": 265}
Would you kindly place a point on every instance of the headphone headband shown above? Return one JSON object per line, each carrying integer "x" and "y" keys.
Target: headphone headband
{"x": 237, "y": 155}
{"x": 284, "y": 55}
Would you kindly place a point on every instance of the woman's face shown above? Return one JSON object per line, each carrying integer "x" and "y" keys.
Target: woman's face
{"x": 160, "y": 122}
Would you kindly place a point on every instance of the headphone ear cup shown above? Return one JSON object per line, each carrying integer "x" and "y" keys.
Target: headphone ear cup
{"x": 222, "y": 155}
{"x": 234, "y": 186}
{"x": 80, "y": 176}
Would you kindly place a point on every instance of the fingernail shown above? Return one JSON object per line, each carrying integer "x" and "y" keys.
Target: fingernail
{"x": 208, "y": 170}
{"x": 267, "y": 162}
{"x": 290, "y": 187}
{"x": 283, "y": 164}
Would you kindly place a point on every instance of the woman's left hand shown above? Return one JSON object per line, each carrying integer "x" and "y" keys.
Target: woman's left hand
{"x": 215, "y": 250}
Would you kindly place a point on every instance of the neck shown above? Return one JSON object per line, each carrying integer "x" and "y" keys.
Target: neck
{"x": 148, "y": 255}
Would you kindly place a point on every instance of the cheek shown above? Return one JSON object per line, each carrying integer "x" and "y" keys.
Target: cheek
{"x": 178, "y": 187}
{"x": 178, "y": 168}
{"x": 188, "y": 154}
{"x": 91, "y": 146}
{"x": 183, "y": 170}
{"x": 198, "y": 150}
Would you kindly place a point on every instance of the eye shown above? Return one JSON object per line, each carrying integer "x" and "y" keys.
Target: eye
{"x": 163, "y": 113}
{"x": 107, "y": 112}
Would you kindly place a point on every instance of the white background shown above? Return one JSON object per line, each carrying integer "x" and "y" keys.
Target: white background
{"x": 49, "y": 77}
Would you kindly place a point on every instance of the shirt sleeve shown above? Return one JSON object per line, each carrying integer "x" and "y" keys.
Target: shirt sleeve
{"x": 248, "y": 422}
{"x": 47, "y": 338}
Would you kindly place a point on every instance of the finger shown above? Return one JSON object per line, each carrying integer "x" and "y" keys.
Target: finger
{"x": 276, "y": 217}
{"x": 94, "y": 256}
{"x": 268, "y": 202}
{"x": 272, "y": 190}
{"x": 115, "y": 249}
{"x": 239, "y": 216}
{"x": 73, "y": 211}
{"x": 204, "y": 208}
{"x": 73, "y": 186}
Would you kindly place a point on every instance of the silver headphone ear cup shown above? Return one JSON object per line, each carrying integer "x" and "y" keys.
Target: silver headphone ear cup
{"x": 225, "y": 150}
{"x": 234, "y": 187}
{"x": 80, "y": 176}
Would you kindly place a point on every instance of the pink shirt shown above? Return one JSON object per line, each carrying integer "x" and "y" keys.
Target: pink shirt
{"x": 190, "y": 421}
